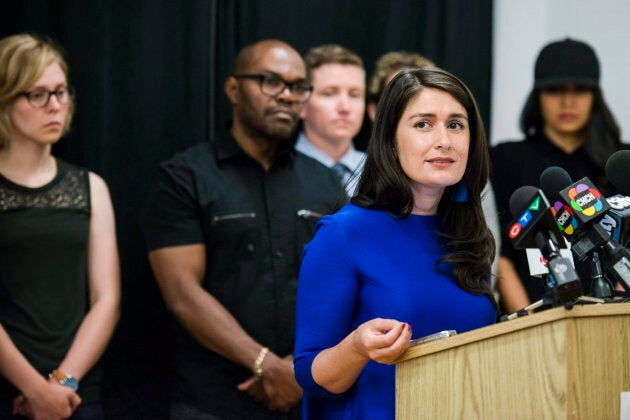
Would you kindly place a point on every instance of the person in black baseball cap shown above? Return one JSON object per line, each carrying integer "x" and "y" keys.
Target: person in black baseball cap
{"x": 566, "y": 123}
{"x": 567, "y": 105}
{"x": 567, "y": 61}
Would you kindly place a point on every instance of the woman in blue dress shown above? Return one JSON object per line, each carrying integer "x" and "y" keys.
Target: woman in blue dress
{"x": 409, "y": 256}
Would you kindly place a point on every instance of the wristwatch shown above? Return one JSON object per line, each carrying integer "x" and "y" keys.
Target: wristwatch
{"x": 63, "y": 379}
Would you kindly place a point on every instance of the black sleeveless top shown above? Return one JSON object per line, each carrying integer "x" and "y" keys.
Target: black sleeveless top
{"x": 43, "y": 269}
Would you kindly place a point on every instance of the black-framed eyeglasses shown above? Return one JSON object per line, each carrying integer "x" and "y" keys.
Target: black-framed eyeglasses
{"x": 39, "y": 98}
{"x": 273, "y": 85}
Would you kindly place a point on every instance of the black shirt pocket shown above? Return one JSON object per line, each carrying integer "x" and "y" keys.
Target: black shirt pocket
{"x": 234, "y": 253}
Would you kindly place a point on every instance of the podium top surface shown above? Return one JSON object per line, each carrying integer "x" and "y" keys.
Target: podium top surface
{"x": 506, "y": 327}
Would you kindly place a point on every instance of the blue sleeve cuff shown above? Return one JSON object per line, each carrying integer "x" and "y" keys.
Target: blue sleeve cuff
{"x": 304, "y": 376}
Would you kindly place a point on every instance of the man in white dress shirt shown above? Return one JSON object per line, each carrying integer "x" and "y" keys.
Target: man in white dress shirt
{"x": 334, "y": 113}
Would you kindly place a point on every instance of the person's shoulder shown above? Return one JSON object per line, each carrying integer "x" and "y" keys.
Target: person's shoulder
{"x": 360, "y": 153}
{"x": 511, "y": 150}
{"x": 195, "y": 154}
{"x": 185, "y": 166}
{"x": 352, "y": 217}
{"x": 357, "y": 154}
{"x": 314, "y": 169}
{"x": 309, "y": 162}
{"x": 190, "y": 163}
{"x": 509, "y": 146}
{"x": 75, "y": 175}
{"x": 66, "y": 166}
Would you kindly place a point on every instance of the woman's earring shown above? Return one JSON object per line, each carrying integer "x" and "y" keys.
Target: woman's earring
{"x": 461, "y": 192}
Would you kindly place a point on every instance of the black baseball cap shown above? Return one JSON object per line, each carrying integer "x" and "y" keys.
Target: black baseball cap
{"x": 566, "y": 61}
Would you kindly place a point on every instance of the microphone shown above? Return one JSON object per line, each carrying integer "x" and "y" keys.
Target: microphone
{"x": 584, "y": 197}
{"x": 615, "y": 221}
{"x": 601, "y": 287}
{"x": 555, "y": 179}
{"x": 581, "y": 203}
{"x": 589, "y": 205}
{"x": 552, "y": 180}
{"x": 535, "y": 227}
{"x": 618, "y": 173}
{"x": 530, "y": 208}
{"x": 618, "y": 170}
{"x": 617, "y": 263}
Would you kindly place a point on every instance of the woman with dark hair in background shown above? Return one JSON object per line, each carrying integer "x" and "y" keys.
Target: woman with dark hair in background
{"x": 566, "y": 123}
{"x": 59, "y": 279}
{"x": 412, "y": 250}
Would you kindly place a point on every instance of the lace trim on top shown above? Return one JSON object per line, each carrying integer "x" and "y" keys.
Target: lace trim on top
{"x": 70, "y": 189}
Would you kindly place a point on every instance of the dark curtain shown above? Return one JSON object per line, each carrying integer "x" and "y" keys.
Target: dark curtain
{"x": 149, "y": 79}
{"x": 455, "y": 34}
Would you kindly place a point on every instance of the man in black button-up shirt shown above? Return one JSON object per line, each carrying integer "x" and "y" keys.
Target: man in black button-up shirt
{"x": 225, "y": 227}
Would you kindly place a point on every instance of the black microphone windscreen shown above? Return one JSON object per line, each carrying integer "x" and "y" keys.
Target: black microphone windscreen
{"x": 553, "y": 180}
{"x": 521, "y": 198}
{"x": 618, "y": 170}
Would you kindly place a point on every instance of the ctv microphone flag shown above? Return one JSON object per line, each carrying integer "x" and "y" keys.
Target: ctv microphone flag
{"x": 534, "y": 216}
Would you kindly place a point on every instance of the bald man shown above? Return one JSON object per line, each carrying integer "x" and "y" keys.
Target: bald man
{"x": 225, "y": 227}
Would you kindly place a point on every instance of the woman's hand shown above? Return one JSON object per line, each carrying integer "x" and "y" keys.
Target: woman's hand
{"x": 54, "y": 403}
{"x": 381, "y": 340}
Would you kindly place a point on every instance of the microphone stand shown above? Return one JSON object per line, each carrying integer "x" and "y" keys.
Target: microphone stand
{"x": 546, "y": 300}
{"x": 550, "y": 301}
{"x": 600, "y": 286}
{"x": 562, "y": 283}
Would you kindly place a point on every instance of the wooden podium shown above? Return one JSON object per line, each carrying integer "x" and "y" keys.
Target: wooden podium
{"x": 555, "y": 364}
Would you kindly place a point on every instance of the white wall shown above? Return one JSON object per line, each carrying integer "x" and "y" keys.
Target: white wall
{"x": 522, "y": 28}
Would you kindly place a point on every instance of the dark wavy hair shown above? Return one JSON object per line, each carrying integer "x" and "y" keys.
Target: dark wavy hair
{"x": 603, "y": 137}
{"x": 384, "y": 185}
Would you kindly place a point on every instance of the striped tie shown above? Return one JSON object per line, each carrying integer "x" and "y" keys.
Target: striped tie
{"x": 341, "y": 170}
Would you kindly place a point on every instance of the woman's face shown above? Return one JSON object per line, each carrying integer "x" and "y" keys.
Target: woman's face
{"x": 566, "y": 109}
{"x": 40, "y": 125}
{"x": 432, "y": 140}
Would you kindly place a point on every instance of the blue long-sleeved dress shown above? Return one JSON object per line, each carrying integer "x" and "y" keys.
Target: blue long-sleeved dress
{"x": 363, "y": 264}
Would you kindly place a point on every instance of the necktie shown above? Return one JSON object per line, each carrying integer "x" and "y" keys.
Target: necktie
{"x": 341, "y": 170}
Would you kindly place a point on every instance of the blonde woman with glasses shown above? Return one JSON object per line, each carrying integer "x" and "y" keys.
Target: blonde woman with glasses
{"x": 59, "y": 282}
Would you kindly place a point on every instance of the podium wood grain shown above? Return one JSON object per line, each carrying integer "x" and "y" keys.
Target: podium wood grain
{"x": 556, "y": 364}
